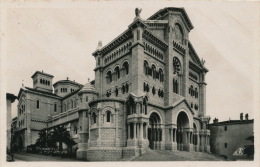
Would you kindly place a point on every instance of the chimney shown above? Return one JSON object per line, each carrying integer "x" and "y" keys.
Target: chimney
{"x": 241, "y": 116}
{"x": 215, "y": 120}
{"x": 246, "y": 117}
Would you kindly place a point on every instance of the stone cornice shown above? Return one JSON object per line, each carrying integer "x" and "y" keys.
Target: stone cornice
{"x": 159, "y": 15}
{"x": 106, "y": 99}
{"x": 177, "y": 47}
{"x": 113, "y": 44}
{"x": 150, "y": 37}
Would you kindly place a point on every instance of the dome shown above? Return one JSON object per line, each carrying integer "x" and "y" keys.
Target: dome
{"x": 88, "y": 87}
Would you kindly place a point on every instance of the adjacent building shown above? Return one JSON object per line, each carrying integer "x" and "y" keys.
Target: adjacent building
{"x": 10, "y": 98}
{"x": 228, "y": 136}
{"x": 149, "y": 92}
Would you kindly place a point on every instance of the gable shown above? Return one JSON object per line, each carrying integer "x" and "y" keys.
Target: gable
{"x": 183, "y": 104}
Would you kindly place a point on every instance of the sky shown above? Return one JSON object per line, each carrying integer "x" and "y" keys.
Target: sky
{"x": 59, "y": 38}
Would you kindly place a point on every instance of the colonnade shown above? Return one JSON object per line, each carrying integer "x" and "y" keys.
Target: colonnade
{"x": 137, "y": 130}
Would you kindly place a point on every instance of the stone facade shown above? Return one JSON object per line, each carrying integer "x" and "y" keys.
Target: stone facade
{"x": 147, "y": 83}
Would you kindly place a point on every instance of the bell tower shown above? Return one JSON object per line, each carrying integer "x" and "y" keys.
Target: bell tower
{"x": 42, "y": 81}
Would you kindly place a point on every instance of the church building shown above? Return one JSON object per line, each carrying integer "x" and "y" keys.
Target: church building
{"x": 149, "y": 92}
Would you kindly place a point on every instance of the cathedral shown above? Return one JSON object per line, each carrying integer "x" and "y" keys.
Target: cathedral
{"x": 149, "y": 92}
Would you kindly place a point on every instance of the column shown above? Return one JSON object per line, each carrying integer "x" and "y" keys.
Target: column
{"x": 163, "y": 134}
{"x": 198, "y": 139}
{"x": 170, "y": 131}
{"x": 134, "y": 130}
{"x": 175, "y": 135}
{"x": 146, "y": 130}
{"x": 141, "y": 131}
{"x": 138, "y": 130}
{"x": 129, "y": 131}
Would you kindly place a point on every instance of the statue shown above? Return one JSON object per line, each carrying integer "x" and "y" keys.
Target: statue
{"x": 137, "y": 12}
{"x": 203, "y": 61}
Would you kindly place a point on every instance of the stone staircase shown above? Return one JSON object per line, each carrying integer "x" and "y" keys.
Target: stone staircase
{"x": 166, "y": 155}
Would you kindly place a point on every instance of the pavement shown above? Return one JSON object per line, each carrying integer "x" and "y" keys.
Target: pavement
{"x": 166, "y": 155}
{"x": 38, "y": 157}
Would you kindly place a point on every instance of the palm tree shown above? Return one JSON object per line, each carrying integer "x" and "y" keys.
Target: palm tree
{"x": 42, "y": 140}
{"x": 60, "y": 134}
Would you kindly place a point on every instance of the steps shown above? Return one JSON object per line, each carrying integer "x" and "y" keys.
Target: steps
{"x": 167, "y": 155}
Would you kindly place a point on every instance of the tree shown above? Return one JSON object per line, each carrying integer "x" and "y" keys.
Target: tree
{"x": 60, "y": 134}
{"x": 42, "y": 140}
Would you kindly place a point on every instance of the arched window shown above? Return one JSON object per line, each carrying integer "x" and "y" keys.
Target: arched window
{"x": 108, "y": 115}
{"x": 117, "y": 71}
{"x": 153, "y": 71}
{"x": 146, "y": 67}
{"x": 196, "y": 93}
{"x": 144, "y": 87}
{"x": 178, "y": 33}
{"x": 147, "y": 88}
{"x": 94, "y": 118}
{"x": 86, "y": 98}
{"x": 175, "y": 86}
{"x": 126, "y": 67}
{"x": 153, "y": 90}
{"x": 109, "y": 77}
{"x": 37, "y": 104}
{"x": 176, "y": 65}
{"x": 161, "y": 76}
{"x": 41, "y": 81}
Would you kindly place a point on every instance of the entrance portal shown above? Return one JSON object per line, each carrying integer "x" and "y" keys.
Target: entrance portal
{"x": 154, "y": 131}
{"x": 183, "y": 134}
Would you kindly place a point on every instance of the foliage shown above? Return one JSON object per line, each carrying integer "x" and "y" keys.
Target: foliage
{"x": 58, "y": 135}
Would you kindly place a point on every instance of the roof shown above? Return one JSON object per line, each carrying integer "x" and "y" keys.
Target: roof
{"x": 67, "y": 81}
{"x": 231, "y": 122}
{"x": 38, "y": 72}
{"x": 27, "y": 89}
{"x": 162, "y": 12}
{"x": 88, "y": 87}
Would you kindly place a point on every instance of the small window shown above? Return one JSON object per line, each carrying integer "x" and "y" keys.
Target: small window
{"x": 123, "y": 89}
{"x": 225, "y": 128}
{"x": 116, "y": 91}
{"x": 86, "y": 98}
{"x": 108, "y": 116}
{"x": 55, "y": 107}
{"x": 225, "y": 145}
{"x": 126, "y": 88}
{"x": 94, "y": 118}
{"x": 75, "y": 130}
{"x": 37, "y": 104}
{"x": 153, "y": 90}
